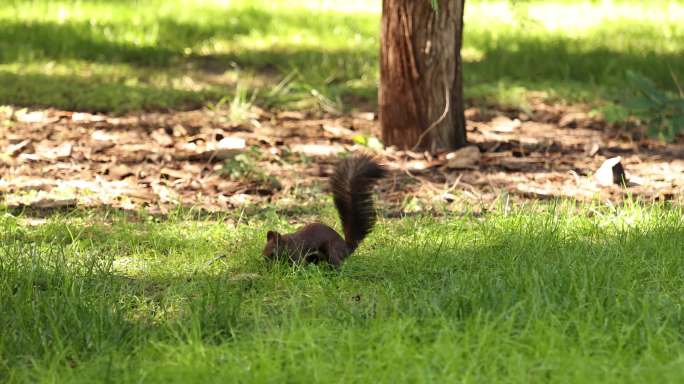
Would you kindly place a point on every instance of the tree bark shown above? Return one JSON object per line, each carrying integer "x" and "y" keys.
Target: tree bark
{"x": 421, "y": 86}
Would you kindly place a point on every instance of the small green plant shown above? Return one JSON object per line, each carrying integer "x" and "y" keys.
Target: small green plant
{"x": 662, "y": 112}
{"x": 6, "y": 116}
{"x": 289, "y": 156}
{"x": 371, "y": 142}
{"x": 240, "y": 166}
{"x": 244, "y": 166}
{"x": 240, "y": 105}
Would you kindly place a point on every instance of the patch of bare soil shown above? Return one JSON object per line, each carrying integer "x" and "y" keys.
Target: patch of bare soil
{"x": 51, "y": 158}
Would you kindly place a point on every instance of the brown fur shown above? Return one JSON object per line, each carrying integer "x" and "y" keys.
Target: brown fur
{"x": 312, "y": 243}
{"x": 351, "y": 186}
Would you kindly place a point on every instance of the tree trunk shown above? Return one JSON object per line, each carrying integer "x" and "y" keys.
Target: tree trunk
{"x": 420, "y": 69}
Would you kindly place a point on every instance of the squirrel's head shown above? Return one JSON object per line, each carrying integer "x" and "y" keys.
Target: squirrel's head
{"x": 274, "y": 241}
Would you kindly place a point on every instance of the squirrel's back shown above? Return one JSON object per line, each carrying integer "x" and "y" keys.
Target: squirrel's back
{"x": 352, "y": 186}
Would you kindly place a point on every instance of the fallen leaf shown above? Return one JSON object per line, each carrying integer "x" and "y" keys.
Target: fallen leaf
{"x": 317, "y": 149}
{"x": 175, "y": 173}
{"x": 63, "y": 151}
{"x": 162, "y": 138}
{"x": 14, "y": 149}
{"x": 591, "y": 148}
{"x": 41, "y": 202}
{"x": 472, "y": 113}
{"x": 291, "y": 115}
{"x": 240, "y": 199}
{"x": 166, "y": 195}
{"x": 179, "y": 131}
{"x": 611, "y": 172}
{"x": 338, "y": 131}
{"x": 54, "y": 203}
{"x": 572, "y": 119}
{"x": 224, "y": 149}
{"x": 368, "y": 116}
{"x": 534, "y": 191}
{"x": 46, "y": 151}
{"x": 101, "y": 135}
{"x": 36, "y": 117}
{"x": 420, "y": 165}
{"x": 86, "y": 117}
{"x": 120, "y": 171}
{"x": 521, "y": 164}
{"x": 503, "y": 124}
{"x": 466, "y": 157}
{"x": 100, "y": 146}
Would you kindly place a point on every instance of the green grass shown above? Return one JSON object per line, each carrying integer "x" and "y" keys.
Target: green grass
{"x": 129, "y": 55}
{"x": 548, "y": 293}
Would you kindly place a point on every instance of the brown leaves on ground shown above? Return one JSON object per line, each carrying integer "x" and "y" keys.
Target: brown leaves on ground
{"x": 156, "y": 161}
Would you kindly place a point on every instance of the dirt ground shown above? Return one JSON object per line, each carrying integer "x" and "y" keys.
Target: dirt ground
{"x": 156, "y": 161}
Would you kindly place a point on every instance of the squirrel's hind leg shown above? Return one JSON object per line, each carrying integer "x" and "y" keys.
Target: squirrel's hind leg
{"x": 336, "y": 252}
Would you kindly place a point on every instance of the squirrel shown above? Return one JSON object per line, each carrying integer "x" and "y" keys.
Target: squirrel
{"x": 351, "y": 185}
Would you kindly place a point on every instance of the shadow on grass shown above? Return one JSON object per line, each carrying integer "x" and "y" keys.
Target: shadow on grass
{"x": 98, "y": 43}
{"x": 169, "y": 38}
{"x": 95, "y": 94}
{"x": 517, "y": 57}
{"x": 328, "y": 72}
{"x": 331, "y": 71}
{"x": 530, "y": 276}
{"x": 563, "y": 60}
{"x": 563, "y": 66}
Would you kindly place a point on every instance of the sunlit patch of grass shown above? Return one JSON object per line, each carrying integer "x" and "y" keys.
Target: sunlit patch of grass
{"x": 577, "y": 51}
{"x": 327, "y": 51}
{"x": 553, "y": 292}
{"x": 154, "y": 47}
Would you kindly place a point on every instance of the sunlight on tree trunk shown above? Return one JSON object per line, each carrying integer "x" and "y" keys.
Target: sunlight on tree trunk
{"x": 421, "y": 87}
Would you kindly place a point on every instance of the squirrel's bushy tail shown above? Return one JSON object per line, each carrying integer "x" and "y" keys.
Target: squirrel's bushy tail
{"x": 352, "y": 186}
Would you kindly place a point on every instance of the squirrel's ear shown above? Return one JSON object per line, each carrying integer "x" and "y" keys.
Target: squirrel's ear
{"x": 272, "y": 235}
